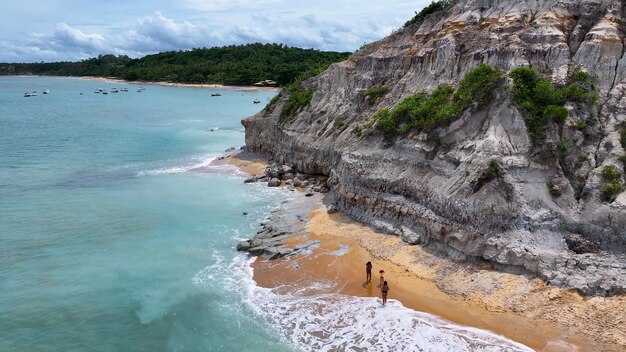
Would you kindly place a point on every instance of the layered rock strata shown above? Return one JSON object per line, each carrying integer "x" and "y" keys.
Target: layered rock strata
{"x": 421, "y": 188}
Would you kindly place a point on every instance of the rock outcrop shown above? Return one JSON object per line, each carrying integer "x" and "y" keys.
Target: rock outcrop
{"x": 420, "y": 186}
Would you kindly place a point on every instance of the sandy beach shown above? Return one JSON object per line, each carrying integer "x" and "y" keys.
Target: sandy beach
{"x": 184, "y": 85}
{"x": 521, "y": 308}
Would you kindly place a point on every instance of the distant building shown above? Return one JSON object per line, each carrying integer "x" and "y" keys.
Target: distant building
{"x": 266, "y": 83}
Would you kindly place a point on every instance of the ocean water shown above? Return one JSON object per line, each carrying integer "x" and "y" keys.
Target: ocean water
{"x": 117, "y": 234}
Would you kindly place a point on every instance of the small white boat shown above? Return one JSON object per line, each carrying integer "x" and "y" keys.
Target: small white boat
{"x": 216, "y": 94}
{"x": 104, "y": 91}
{"x": 33, "y": 94}
{"x": 256, "y": 101}
{"x": 140, "y": 89}
{"x": 27, "y": 94}
{"x": 124, "y": 90}
{"x": 46, "y": 91}
{"x": 114, "y": 90}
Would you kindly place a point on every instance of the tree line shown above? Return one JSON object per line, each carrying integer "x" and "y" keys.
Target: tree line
{"x": 229, "y": 65}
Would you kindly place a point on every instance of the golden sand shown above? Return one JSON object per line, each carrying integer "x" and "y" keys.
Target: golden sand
{"x": 522, "y": 309}
{"x": 254, "y": 166}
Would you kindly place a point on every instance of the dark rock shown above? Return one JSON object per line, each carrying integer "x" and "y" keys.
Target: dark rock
{"x": 309, "y": 194}
{"x": 297, "y": 182}
{"x": 274, "y": 183}
{"x": 580, "y": 245}
{"x": 272, "y": 173}
{"x": 286, "y": 169}
{"x": 251, "y": 179}
{"x": 243, "y": 245}
{"x": 288, "y": 176}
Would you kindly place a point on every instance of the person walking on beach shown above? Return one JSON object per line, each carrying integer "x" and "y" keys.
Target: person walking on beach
{"x": 382, "y": 277}
{"x": 368, "y": 272}
{"x": 383, "y": 290}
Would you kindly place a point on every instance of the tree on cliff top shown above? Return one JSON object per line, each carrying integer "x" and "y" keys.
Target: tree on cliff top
{"x": 433, "y": 7}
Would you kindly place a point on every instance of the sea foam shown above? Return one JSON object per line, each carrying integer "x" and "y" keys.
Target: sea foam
{"x": 313, "y": 320}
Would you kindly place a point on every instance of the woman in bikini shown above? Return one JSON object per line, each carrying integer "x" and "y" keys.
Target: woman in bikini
{"x": 384, "y": 289}
{"x": 368, "y": 272}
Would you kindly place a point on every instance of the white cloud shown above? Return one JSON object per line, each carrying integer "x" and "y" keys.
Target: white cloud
{"x": 67, "y": 36}
{"x": 326, "y": 25}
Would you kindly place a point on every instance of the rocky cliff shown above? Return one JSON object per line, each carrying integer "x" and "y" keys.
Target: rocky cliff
{"x": 421, "y": 185}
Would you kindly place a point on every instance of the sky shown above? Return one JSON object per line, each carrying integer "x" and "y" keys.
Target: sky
{"x": 59, "y": 30}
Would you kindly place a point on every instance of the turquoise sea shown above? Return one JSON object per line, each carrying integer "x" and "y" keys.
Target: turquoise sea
{"x": 117, "y": 234}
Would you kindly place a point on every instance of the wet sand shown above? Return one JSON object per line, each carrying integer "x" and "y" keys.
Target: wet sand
{"x": 522, "y": 309}
{"x": 250, "y": 164}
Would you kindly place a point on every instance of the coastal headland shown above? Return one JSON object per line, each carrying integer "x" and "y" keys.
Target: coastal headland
{"x": 318, "y": 244}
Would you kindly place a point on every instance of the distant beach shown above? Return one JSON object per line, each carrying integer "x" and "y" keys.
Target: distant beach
{"x": 188, "y": 85}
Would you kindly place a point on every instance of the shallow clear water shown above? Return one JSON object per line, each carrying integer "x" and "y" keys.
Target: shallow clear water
{"x": 102, "y": 234}
{"x": 117, "y": 234}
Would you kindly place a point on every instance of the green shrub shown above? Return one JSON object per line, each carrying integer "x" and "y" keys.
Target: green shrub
{"x": 610, "y": 173}
{"x": 372, "y": 121}
{"x": 610, "y": 191}
{"x": 297, "y": 100}
{"x": 273, "y": 101}
{"x": 524, "y": 81}
{"x": 622, "y": 158}
{"x": 575, "y": 93}
{"x": 442, "y": 105}
{"x": 340, "y": 124}
{"x": 478, "y": 86}
{"x": 611, "y": 187}
{"x": 580, "y": 88}
{"x": 622, "y": 134}
{"x": 541, "y": 103}
{"x": 553, "y": 189}
{"x": 580, "y": 125}
{"x": 608, "y": 145}
{"x": 433, "y": 7}
{"x": 374, "y": 93}
{"x": 557, "y": 114}
{"x": 386, "y": 123}
{"x": 493, "y": 172}
{"x": 357, "y": 131}
{"x": 564, "y": 146}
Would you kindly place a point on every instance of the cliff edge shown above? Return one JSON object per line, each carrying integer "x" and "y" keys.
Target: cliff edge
{"x": 554, "y": 207}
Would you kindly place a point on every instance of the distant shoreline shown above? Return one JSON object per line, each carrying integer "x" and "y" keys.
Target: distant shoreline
{"x": 185, "y": 85}
{"x": 164, "y": 84}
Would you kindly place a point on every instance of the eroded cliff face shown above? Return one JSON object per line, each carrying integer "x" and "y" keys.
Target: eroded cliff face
{"x": 421, "y": 188}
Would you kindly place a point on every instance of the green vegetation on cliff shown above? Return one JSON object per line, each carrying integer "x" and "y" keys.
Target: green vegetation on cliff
{"x": 622, "y": 139}
{"x": 493, "y": 172}
{"x": 442, "y": 105}
{"x": 542, "y": 103}
{"x": 611, "y": 185}
{"x": 433, "y": 7}
{"x": 374, "y": 93}
{"x": 232, "y": 65}
{"x": 298, "y": 100}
